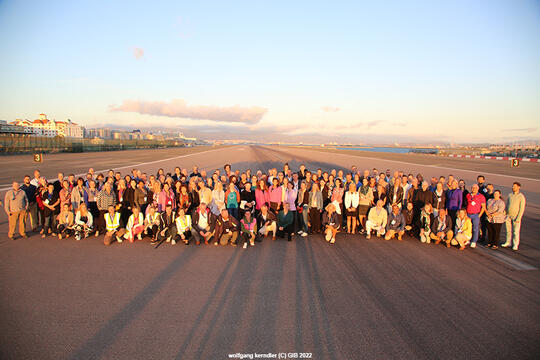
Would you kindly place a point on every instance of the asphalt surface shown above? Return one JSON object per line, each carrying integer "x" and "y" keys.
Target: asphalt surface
{"x": 355, "y": 299}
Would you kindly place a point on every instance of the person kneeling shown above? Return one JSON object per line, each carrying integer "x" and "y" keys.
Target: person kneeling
{"x": 330, "y": 222}
{"x": 377, "y": 219}
{"x": 396, "y": 224}
{"x": 65, "y": 221}
{"x": 184, "y": 230}
{"x": 151, "y": 223}
{"x": 441, "y": 230}
{"x": 203, "y": 223}
{"x": 167, "y": 226}
{"x": 248, "y": 229}
{"x": 83, "y": 222}
{"x": 425, "y": 221}
{"x": 463, "y": 230}
{"x": 135, "y": 225}
{"x": 285, "y": 222}
{"x": 112, "y": 226}
{"x": 226, "y": 229}
{"x": 267, "y": 222}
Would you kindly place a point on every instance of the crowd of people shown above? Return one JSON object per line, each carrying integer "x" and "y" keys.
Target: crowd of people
{"x": 231, "y": 207}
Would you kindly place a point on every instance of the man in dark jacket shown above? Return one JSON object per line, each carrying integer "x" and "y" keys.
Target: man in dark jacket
{"x": 167, "y": 225}
{"x": 226, "y": 229}
{"x": 266, "y": 222}
{"x": 408, "y": 215}
{"x": 441, "y": 228}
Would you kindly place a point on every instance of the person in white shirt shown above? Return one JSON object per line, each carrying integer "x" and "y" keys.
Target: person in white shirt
{"x": 377, "y": 219}
{"x": 351, "y": 208}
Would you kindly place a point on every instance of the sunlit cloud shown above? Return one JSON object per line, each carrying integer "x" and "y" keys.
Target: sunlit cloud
{"x": 138, "y": 53}
{"x": 178, "y": 108}
{"x": 330, "y": 109}
{"x": 522, "y": 129}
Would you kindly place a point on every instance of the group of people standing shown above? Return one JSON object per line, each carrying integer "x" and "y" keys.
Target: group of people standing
{"x": 232, "y": 207}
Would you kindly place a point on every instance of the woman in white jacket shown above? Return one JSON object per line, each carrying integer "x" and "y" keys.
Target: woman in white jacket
{"x": 135, "y": 225}
{"x": 83, "y": 222}
{"x": 351, "y": 207}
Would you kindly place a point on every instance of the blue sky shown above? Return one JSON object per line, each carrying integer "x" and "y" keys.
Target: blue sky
{"x": 456, "y": 71}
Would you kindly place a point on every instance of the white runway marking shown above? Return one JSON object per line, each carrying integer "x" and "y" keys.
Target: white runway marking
{"x": 513, "y": 263}
{"x": 433, "y": 166}
{"x": 133, "y": 165}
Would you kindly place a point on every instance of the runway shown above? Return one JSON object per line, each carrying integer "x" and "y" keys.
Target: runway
{"x": 355, "y": 299}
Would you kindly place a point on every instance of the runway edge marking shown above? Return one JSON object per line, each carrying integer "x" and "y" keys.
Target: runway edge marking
{"x": 135, "y": 165}
{"x": 513, "y": 263}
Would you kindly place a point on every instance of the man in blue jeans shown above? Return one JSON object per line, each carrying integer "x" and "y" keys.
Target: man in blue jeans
{"x": 476, "y": 206}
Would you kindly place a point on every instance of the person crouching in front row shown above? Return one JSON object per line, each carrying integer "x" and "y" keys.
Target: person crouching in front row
{"x": 463, "y": 230}
{"x": 135, "y": 225}
{"x": 377, "y": 219}
{"x": 441, "y": 230}
{"x": 65, "y": 221}
{"x": 248, "y": 229}
{"x": 167, "y": 225}
{"x": 285, "y": 222}
{"x": 267, "y": 222}
{"x": 226, "y": 229}
{"x": 83, "y": 222}
{"x": 396, "y": 224}
{"x": 112, "y": 226}
{"x": 151, "y": 223}
{"x": 203, "y": 223}
{"x": 330, "y": 223}
{"x": 184, "y": 229}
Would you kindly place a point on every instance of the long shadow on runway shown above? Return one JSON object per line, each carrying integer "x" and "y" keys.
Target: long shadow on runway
{"x": 308, "y": 271}
{"x": 194, "y": 331}
{"x": 96, "y": 346}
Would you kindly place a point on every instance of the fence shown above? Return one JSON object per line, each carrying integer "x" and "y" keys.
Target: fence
{"x": 21, "y": 144}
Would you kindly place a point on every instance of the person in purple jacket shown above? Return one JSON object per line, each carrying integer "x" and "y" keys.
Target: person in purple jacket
{"x": 454, "y": 200}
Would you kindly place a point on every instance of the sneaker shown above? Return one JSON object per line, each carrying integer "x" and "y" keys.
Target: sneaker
{"x": 515, "y": 248}
{"x": 304, "y": 234}
{"x": 169, "y": 239}
{"x": 333, "y": 240}
{"x": 252, "y": 243}
{"x": 78, "y": 237}
{"x": 473, "y": 245}
{"x": 368, "y": 236}
{"x": 328, "y": 236}
{"x": 422, "y": 240}
{"x": 300, "y": 232}
{"x": 118, "y": 239}
{"x": 505, "y": 245}
{"x": 139, "y": 237}
{"x": 245, "y": 245}
{"x": 173, "y": 242}
{"x": 96, "y": 234}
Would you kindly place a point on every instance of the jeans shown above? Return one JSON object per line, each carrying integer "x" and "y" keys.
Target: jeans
{"x": 512, "y": 232}
{"x": 475, "y": 227}
{"x": 305, "y": 220}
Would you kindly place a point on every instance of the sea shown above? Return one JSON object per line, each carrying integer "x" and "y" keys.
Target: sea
{"x": 398, "y": 150}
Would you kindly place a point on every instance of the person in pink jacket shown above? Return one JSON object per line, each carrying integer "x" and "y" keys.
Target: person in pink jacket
{"x": 276, "y": 195}
{"x": 261, "y": 195}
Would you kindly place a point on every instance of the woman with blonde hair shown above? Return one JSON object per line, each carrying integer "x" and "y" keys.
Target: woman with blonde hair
{"x": 330, "y": 221}
{"x": 83, "y": 222}
{"x": 218, "y": 199}
{"x": 351, "y": 208}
